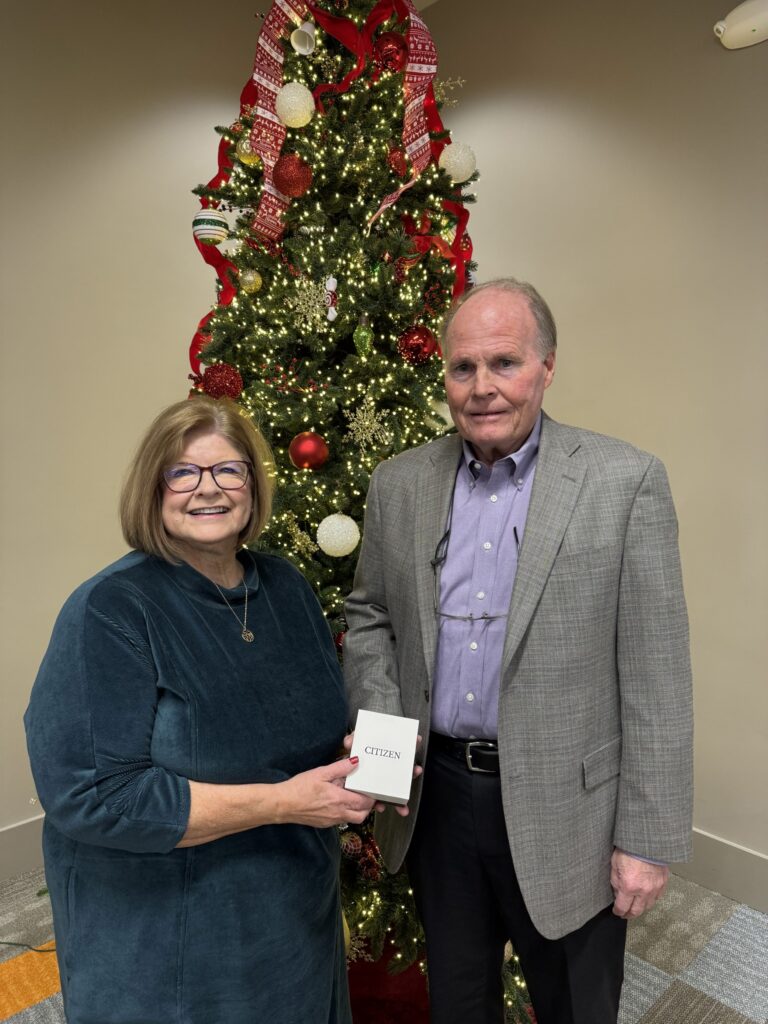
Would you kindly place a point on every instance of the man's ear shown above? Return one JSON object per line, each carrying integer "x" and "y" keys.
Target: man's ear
{"x": 549, "y": 362}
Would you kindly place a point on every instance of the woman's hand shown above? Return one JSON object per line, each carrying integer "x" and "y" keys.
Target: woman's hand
{"x": 318, "y": 797}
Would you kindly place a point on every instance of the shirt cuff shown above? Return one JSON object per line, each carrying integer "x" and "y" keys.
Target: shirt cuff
{"x": 647, "y": 860}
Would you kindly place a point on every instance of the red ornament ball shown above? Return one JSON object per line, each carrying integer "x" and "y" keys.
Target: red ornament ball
{"x": 308, "y": 450}
{"x": 390, "y": 51}
{"x": 417, "y": 345}
{"x": 338, "y": 639}
{"x": 397, "y": 162}
{"x": 292, "y": 175}
{"x": 220, "y": 381}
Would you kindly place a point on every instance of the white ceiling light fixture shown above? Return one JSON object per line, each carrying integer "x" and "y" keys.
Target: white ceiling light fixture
{"x": 746, "y": 25}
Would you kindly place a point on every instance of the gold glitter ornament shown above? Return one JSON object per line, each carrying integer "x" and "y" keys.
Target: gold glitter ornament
{"x": 250, "y": 281}
{"x": 245, "y": 154}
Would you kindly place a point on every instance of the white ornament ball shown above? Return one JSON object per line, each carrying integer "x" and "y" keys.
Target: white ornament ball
{"x": 338, "y": 535}
{"x": 458, "y": 161}
{"x": 295, "y": 105}
{"x": 210, "y": 226}
{"x": 441, "y": 418}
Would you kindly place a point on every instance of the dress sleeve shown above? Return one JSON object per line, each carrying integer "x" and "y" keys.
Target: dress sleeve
{"x": 89, "y": 729}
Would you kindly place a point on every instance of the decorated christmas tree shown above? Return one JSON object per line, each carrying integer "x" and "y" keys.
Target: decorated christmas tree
{"x": 336, "y": 223}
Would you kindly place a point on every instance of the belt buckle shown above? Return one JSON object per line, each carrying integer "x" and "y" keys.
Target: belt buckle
{"x": 485, "y": 744}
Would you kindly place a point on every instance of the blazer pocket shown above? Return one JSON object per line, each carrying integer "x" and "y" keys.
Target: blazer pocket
{"x": 602, "y": 764}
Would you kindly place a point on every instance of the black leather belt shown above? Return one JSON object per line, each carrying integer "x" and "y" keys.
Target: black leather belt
{"x": 475, "y": 755}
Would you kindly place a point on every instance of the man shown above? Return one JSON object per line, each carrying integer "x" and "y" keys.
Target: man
{"x": 519, "y": 592}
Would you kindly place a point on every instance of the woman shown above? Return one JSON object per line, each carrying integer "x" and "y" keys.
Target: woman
{"x": 182, "y": 731}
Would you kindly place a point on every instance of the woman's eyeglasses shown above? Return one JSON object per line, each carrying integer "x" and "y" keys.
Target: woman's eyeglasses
{"x": 185, "y": 476}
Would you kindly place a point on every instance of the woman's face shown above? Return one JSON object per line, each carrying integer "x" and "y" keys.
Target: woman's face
{"x": 209, "y": 519}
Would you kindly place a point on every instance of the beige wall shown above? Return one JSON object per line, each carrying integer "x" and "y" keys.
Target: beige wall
{"x": 624, "y": 168}
{"x": 108, "y": 116}
{"x": 624, "y": 161}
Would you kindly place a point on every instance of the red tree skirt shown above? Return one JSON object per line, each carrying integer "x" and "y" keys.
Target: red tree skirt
{"x": 379, "y": 997}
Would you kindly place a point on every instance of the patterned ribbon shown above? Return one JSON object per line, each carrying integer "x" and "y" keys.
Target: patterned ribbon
{"x": 268, "y": 131}
{"x": 421, "y": 114}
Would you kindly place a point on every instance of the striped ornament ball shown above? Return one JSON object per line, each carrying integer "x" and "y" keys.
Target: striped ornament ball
{"x": 210, "y": 227}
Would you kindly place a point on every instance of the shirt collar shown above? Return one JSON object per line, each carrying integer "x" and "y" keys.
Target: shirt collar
{"x": 520, "y": 462}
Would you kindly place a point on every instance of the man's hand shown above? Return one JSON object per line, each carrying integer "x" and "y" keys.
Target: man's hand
{"x": 636, "y": 884}
{"x": 403, "y": 810}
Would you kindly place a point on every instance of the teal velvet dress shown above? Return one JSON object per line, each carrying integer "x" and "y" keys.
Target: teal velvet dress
{"x": 147, "y": 684}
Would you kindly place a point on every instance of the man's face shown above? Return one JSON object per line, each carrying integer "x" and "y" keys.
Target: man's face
{"x": 495, "y": 376}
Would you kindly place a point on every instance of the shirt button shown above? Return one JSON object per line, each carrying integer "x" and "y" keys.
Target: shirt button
{"x": 480, "y": 595}
{"x": 487, "y": 546}
{"x": 494, "y": 497}
{"x": 473, "y": 646}
{"x": 469, "y": 697}
{"x": 519, "y": 483}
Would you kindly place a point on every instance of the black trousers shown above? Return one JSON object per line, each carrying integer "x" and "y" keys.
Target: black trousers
{"x": 470, "y": 904}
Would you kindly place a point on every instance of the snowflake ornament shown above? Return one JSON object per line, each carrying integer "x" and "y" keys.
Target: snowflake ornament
{"x": 366, "y": 428}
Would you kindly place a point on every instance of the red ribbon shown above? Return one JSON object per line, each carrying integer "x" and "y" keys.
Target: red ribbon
{"x": 423, "y": 241}
{"x": 459, "y": 259}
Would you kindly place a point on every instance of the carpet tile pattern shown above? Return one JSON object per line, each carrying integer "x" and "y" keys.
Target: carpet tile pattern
{"x": 696, "y": 958}
{"x": 682, "y": 1004}
{"x": 673, "y": 933}
{"x": 733, "y": 966}
{"x": 644, "y": 985}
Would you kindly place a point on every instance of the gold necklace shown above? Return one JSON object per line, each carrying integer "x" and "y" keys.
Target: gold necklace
{"x": 245, "y": 633}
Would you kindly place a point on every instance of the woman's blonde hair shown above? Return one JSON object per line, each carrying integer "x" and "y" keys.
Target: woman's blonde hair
{"x": 142, "y": 495}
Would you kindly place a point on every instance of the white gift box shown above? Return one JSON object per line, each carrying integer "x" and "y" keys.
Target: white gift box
{"x": 386, "y": 746}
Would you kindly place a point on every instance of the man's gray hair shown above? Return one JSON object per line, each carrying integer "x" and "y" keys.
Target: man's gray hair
{"x": 546, "y": 331}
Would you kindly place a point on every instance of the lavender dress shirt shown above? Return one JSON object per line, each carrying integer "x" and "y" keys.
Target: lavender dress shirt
{"x": 486, "y": 523}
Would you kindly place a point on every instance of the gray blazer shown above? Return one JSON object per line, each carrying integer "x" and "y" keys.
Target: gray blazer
{"x": 595, "y": 719}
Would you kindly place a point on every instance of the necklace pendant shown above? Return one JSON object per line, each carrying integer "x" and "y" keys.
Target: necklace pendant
{"x": 248, "y": 636}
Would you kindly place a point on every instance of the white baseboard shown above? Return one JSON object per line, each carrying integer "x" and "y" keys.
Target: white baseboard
{"x": 735, "y": 871}
{"x": 21, "y": 847}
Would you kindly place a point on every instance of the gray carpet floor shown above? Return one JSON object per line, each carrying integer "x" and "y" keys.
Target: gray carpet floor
{"x": 696, "y": 958}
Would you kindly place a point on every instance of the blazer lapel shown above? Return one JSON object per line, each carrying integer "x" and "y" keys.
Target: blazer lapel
{"x": 433, "y": 498}
{"x": 556, "y": 488}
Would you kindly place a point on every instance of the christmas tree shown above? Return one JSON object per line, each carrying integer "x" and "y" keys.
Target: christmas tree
{"x": 342, "y": 203}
